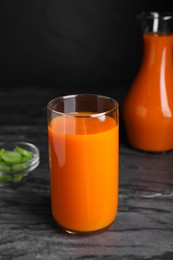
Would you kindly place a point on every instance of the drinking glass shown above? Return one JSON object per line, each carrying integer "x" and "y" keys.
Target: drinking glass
{"x": 83, "y": 137}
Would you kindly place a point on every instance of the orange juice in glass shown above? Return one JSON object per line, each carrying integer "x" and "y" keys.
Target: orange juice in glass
{"x": 83, "y": 135}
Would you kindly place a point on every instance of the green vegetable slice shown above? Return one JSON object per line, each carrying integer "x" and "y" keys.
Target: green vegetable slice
{"x": 20, "y": 167}
{"x": 4, "y": 168}
{"x": 12, "y": 178}
{"x": 11, "y": 157}
{"x": 14, "y": 161}
{"x": 1, "y": 152}
{"x": 23, "y": 152}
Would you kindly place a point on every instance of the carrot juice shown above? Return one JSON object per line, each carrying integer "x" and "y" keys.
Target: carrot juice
{"x": 83, "y": 154}
{"x": 148, "y": 107}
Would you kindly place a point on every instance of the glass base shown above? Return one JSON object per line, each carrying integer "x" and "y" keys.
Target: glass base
{"x": 135, "y": 148}
{"x": 76, "y": 232}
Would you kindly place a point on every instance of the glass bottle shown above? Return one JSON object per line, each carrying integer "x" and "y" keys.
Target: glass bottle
{"x": 148, "y": 106}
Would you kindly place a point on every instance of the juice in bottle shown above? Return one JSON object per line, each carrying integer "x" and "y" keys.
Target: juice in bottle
{"x": 148, "y": 106}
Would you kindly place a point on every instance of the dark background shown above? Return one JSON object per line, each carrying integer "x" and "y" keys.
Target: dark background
{"x": 69, "y": 43}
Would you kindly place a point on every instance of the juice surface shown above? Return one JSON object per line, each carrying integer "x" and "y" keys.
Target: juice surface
{"x": 84, "y": 172}
{"x": 148, "y": 107}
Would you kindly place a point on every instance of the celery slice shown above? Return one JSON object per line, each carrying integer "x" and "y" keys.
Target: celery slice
{"x": 23, "y": 152}
{"x": 14, "y": 161}
{"x": 11, "y": 157}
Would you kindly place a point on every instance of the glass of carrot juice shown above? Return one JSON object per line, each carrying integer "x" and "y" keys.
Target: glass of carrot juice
{"x": 83, "y": 137}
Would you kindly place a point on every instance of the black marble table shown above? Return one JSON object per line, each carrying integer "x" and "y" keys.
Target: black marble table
{"x": 143, "y": 228}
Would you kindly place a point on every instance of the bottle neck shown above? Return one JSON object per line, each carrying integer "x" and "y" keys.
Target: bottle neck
{"x": 158, "y": 47}
{"x": 156, "y": 22}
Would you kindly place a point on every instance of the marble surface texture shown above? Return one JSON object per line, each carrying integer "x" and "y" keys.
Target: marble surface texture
{"x": 143, "y": 228}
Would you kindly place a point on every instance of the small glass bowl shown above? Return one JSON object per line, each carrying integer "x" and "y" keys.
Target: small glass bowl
{"x": 17, "y": 172}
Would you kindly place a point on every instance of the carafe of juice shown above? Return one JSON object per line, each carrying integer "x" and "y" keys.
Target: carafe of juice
{"x": 148, "y": 106}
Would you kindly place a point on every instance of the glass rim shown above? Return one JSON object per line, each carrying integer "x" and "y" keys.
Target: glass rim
{"x": 160, "y": 15}
{"x": 92, "y": 114}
